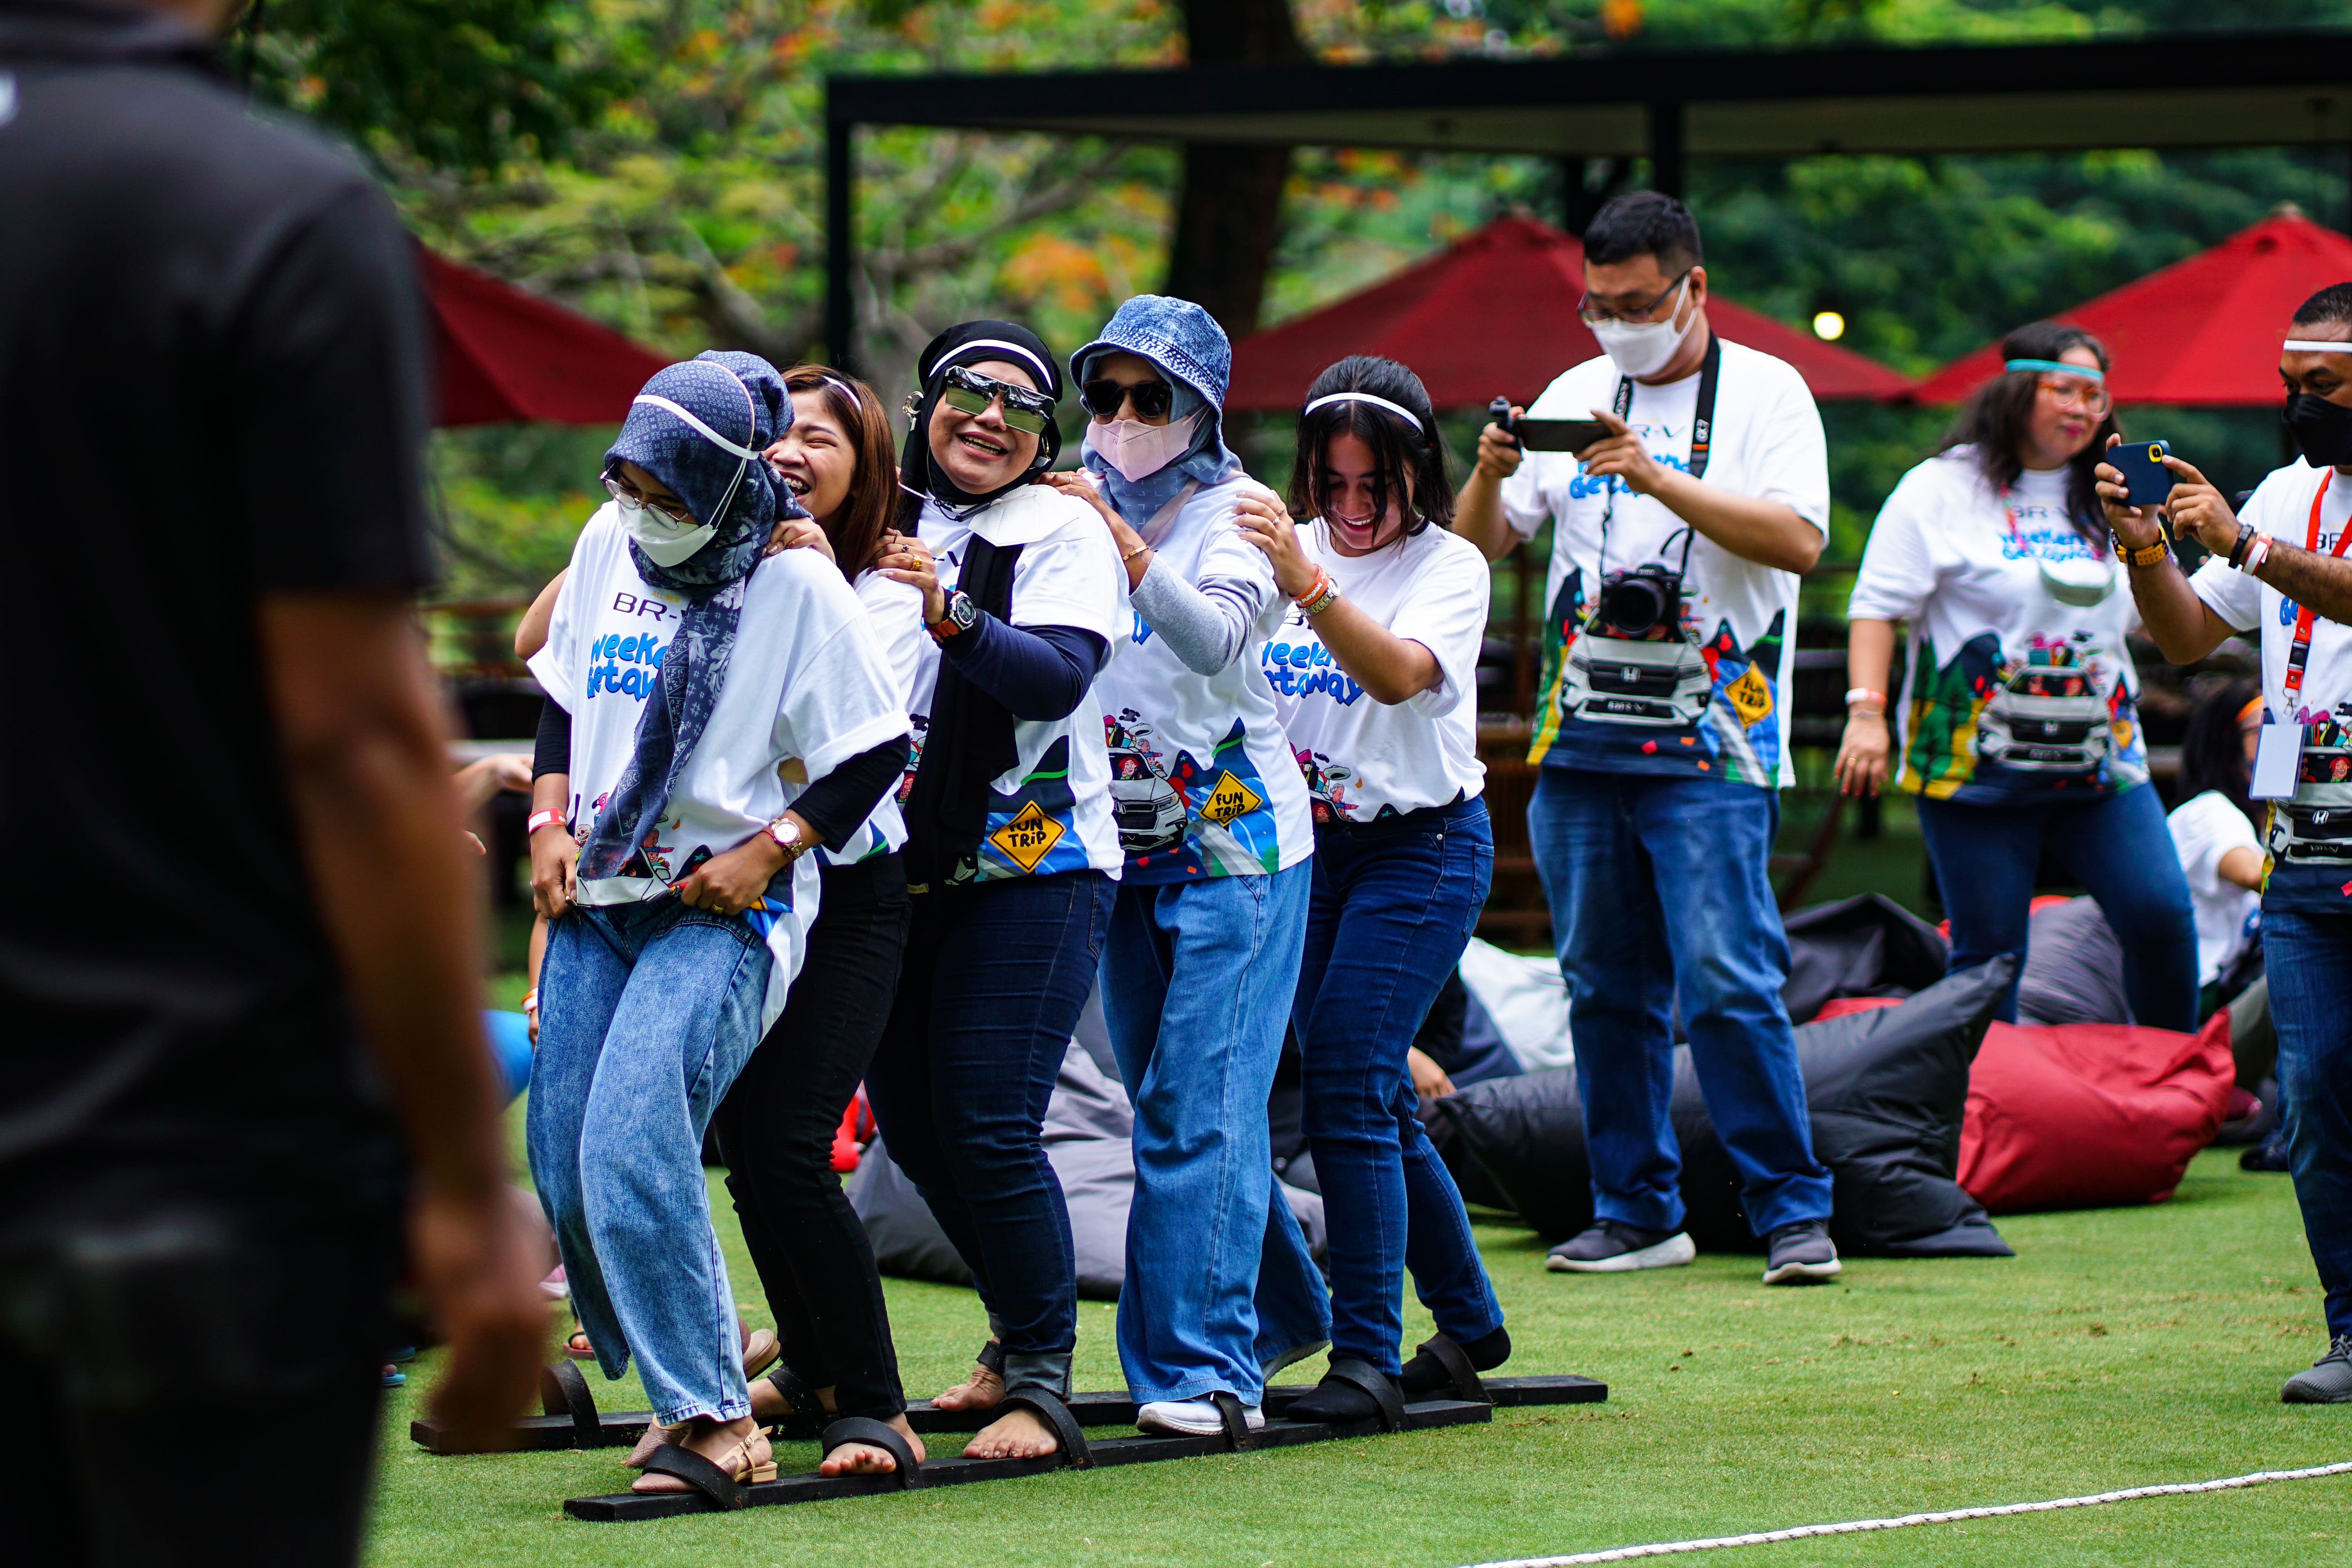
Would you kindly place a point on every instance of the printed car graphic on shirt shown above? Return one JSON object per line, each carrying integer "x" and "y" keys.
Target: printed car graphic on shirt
{"x": 1229, "y": 827}
{"x": 1327, "y": 787}
{"x": 1988, "y": 725}
{"x": 1144, "y": 805}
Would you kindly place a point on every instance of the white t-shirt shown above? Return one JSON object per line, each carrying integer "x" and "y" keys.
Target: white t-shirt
{"x": 1202, "y": 776}
{"x": 2205, "y": 828}
{"x": 1364, "y": 759}
{"x": 1051, "y": 810}
{"x": 807, "y": 685}
{"x": 1767, "y": 442}
{"x": 2281, "y": 507}
{"x": 894, "y": 611}
{"x": 2001, "y": 677}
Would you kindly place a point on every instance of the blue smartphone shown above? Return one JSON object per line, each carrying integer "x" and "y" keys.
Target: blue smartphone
{"x": 2141, "y": 463}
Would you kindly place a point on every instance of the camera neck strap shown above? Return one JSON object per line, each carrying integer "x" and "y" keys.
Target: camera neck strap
{"x": 1702, "y": 420}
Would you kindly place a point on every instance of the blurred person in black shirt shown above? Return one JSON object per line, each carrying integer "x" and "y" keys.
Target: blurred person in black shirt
{"x": 239, "y": 974}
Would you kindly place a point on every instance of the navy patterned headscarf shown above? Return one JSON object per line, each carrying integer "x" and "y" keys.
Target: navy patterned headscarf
{"x": 698, "y": 427}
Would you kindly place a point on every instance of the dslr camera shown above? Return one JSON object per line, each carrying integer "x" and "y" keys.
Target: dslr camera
{"x": 1637, "y": 602}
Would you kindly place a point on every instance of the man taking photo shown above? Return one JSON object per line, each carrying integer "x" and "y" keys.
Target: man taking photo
{"x": 1678, "y": 535}
{"x": 2279, "y": 565}
{"x": 244, "y": 1033}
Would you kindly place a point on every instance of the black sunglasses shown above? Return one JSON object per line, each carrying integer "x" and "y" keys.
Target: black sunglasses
{"x": 969, "y": 392}
{"x": 1103, "y": 398}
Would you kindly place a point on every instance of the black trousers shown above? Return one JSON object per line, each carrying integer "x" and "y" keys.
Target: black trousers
{"x": 775, "y": 1131}
{"x": 273, "y": 1319}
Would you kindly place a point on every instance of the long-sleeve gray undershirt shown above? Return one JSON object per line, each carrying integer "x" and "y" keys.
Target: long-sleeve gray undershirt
{"x": 1205, "y": 627}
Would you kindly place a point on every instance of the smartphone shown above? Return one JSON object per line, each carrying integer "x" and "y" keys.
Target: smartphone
{"x": 2141, "y": 463}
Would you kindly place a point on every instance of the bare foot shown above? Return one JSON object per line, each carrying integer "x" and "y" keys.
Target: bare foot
{"x": 862, "y": 1460}
{"x": 981, "y": 1390}
{"x": 1016, "y": 1434}
{"x": 738, "y": 1448}
{"x": 769, "y": 1406}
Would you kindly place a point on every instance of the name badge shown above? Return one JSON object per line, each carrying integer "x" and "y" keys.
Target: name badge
{"x": 2278, "y": 748}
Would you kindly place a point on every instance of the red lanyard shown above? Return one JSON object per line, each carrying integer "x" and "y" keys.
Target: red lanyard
{"x": 2298, "y": 652}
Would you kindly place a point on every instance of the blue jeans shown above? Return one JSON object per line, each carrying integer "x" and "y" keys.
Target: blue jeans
{"x": 1393, "y": 909}
{"x": 2116, "y": 844}
{"x": 646, "y": 1014}
{"x": 995, "y": 976}
{"x": 1658, "y": 888}
{"x": 2309, "y": 958}
{"x": 1197, "y": 981}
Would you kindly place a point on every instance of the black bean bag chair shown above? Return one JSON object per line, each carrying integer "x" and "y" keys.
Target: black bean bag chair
{"x": 1887, "y": 1089}
{"x": 1868, "y": 945}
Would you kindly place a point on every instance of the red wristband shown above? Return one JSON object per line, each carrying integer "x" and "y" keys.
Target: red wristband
{"x": 540, "y": 819}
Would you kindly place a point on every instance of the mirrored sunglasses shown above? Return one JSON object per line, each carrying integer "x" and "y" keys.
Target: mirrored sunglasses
{"x": 967, "y": 391}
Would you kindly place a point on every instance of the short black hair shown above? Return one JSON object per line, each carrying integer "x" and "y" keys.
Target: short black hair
{"x": 2332, "y": 304}
{"x": 1400, "y": 447}
{"x": 1643, "y": 223}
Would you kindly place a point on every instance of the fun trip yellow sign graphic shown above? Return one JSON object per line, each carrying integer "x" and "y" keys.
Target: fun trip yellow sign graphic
{"x": 1030, "y": 837}
{"x": 1230, "y": 798}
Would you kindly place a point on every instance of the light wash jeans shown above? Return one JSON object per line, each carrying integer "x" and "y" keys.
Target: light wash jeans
{"x": 1197, "y": 983}
{"x": 1658, "y": 892}
{"x": 646, "y": 1014}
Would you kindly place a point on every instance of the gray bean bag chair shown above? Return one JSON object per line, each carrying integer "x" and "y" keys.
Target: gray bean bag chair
{"x": 1087, "y": 1127}
{"x": 1887, "y": 1089}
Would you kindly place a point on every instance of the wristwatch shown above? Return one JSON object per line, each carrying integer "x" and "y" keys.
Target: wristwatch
{"x": 961, "y": 616}
{"x": 2143, "y": 555}
{"x": 787, "y": 835}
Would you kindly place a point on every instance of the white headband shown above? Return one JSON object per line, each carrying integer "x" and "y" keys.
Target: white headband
{"x": 1044, "y": 376}
{"x": 707, "y": 434}
{"x": 1397, "y": 408}
{"x": 2301, "y": 346}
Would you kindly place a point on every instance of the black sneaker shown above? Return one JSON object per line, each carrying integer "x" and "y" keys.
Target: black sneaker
{"x": 1801, "y": 1253}
{"x": 2270, "y": 1154}
{"x": 1609, "y": 1248}
{"x": 2329, "y": 1381}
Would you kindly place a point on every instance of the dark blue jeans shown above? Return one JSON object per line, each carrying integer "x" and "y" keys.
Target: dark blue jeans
{"x": 2309, "y": 958}
{"x": 1658, "y": 886}
{"x": 2116, "y": 845}
{"x": 995, "y": 976}
{"x": 1392, "y": 910}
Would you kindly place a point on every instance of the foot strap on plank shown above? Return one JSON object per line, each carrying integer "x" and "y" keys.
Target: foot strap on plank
{"x": 1238, "y": 1436}
{"x": 1442, "y": 1349}
{"x": 1067, "y": 1430}
{"x": 868, "y": 1432}
{"x": 684, "y": 1464}
{"x": 564, "y": 1391}
{"x": 1379, "y": 1384}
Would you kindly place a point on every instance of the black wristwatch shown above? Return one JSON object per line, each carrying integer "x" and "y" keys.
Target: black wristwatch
{"x": 961, "y": 616}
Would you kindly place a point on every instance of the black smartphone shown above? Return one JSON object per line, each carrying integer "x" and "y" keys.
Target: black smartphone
{"x": 1557, "y": 434}
{"x": 2141, "y": 463}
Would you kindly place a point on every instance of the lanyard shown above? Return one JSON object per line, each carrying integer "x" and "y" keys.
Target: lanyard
{"x": 2298, "y": 652}
{"x": 1703, "y": 421}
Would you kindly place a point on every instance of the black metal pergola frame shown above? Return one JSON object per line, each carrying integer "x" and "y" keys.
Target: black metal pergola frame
{"x": 2273, "y": 89}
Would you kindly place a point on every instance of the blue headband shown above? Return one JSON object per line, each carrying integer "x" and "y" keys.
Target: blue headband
{"x": 2062, "y": 368}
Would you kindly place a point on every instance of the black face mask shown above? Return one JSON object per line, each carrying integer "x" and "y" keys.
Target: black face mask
{"x": 2322, "y": 430}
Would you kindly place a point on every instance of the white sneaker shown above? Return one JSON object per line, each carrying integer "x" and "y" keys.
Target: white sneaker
{"x": 1192, "y": 1417}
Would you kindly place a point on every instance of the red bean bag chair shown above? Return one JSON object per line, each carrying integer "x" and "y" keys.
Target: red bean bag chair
{"x": 2090, "y": 1115}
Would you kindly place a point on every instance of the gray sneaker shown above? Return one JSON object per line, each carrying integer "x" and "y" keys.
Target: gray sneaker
{"x": 1609, "y": 1248}
{"x": 2329, "y": 1381}
{"x": 1801, "y": 1253}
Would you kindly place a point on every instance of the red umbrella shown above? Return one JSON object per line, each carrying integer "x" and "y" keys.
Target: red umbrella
{"x": 2204, "y": 330}
{"x": 507, "y": 355}
{"x": 1495, "y": 312}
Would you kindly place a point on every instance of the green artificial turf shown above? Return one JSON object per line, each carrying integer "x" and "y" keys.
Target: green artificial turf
{"x": 2120, "y": 1348}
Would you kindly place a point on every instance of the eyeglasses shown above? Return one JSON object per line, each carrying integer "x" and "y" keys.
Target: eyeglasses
{"x": 1593, "y": 311}
{"x": 2077, "y": 392}
{"x": 1103, "y": 398}
{"x": 626, "y": 494}
{"x": 967, "y": 391}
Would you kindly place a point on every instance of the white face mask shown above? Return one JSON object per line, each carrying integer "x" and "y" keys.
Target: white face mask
{"x": 1139, "y": 450}
{"x": 1645, "y": 348}
{"x": 663, "y": 539}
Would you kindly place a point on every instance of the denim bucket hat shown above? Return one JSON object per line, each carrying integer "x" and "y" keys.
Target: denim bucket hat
{"x": 1177, "y": 335}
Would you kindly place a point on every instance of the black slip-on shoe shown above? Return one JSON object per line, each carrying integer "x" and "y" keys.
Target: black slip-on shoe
{"x": 1612, "y": 1248}
{"x": 1800, "y": 1254}
{"x": 2329, "y": 1381}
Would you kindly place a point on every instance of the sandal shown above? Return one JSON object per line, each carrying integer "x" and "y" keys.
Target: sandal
{"x": 723, "y": 1482}
{"x": 578, "y": 1348}
{"x": 761, "y": 1350}
{"x": 655, "y": 1435}
{"x": 868, "y": 1432}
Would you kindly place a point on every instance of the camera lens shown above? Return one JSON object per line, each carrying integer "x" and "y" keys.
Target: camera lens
{"x": 1632, "y": 605}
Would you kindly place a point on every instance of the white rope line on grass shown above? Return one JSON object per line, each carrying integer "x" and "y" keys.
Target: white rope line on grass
{"x": 1855, "y": 1527}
